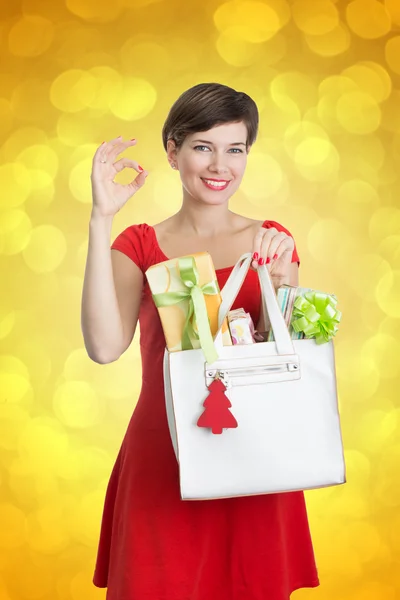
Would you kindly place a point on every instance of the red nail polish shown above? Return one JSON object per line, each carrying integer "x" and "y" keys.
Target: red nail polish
{"x": 268, "y": 260}
{"x": 261, "y": 261}
{"x": 255, "y": 256}
{"x": 275, "y": 256}
{"x": 140, "y": 168}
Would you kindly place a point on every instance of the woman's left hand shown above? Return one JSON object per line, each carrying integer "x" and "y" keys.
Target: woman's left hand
{"x": 274, "y": 248}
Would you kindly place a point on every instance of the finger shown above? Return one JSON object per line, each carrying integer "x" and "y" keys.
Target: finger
{"x": 99, "y": 152}
{"x": 113, "y": 151}
{"x": 286, "y": 246}
{"x": 114, "y": 141}
{"x": 105, "y": 146}
{"x": 266, "y": 242}
{"x": 256, "y": 250}
{"x": 128, "y": 162}
{"x": 118, "y": 148}
{"x": 138, "y": 182}
{"x": 276, "y": 241}
{"x": 103, "y": 150}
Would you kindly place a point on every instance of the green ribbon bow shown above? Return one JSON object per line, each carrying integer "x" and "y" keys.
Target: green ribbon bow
{"x": 318, "y": 316}
{"x": 197, "y": 311}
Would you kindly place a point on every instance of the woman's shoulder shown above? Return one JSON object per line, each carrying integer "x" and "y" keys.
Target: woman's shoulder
{"x": 163, "y": 227}
{"x": 137, "y": 242}
{"x": 267, "y": 224}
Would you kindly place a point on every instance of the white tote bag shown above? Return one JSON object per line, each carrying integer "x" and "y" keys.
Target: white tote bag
{"x": 284, "y": 399}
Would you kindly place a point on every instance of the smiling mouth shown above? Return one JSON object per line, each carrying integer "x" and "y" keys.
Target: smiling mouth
{"x": 219, "y": 184}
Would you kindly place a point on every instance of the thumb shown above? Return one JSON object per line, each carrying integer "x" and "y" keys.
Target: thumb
{"x": 143, "y": 175}
{"x": 139, "y": 180}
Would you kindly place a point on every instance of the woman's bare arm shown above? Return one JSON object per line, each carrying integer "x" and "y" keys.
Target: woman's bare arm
{"x": 111, "y": 296}
{"x": 113, "y": 283}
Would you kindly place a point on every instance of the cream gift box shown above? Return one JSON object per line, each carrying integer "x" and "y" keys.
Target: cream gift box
{"x": 172, "y": 284}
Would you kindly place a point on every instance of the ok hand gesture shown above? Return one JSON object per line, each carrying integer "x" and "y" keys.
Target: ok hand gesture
{"x": 108, "y": 196}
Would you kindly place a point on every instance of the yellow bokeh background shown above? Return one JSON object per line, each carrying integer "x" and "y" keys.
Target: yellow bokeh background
{"x": 326, "y": 77}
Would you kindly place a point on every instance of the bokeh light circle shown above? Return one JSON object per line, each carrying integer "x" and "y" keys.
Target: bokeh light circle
{"x": 43, "y": 443}
{"x": 16, "y": 185}
{"x": 294, "y": 87}
{"x": 392, "y": 53}
{"x": 368, "y": 19}
{"x": 324, "y": 238}
{"x": 356, "y": 201}
{"x": 384, "y": 350}
{"x": 393, "y": 8}
{"x": 334, "y": 42}
{"x": 13, "y": 418}
{"x": 358, "y": 375}
{"x": 235, "y": 50}
{"x": 371, "y": 79}
{"x": 12, "y": 526}
{"x": 77, "y": 405}
{"x": 134, "y": 99}
{"x": 358, "y": 113}
{"x": 72, "y": 90}
{"x": 46, "y": 249}
{"x": 315, "y": 18}
{"x": 264, "y": 176}
{"x": 253, "y": 21}
{"x": 39, "y": 157}
{"x": 312, "y": 151}
{"x": 99, "y": 11}
{"x": 15, "y": 231}
{"x": 384, "y": 222}
{"x": 79, "y": 180}
{"x": 388, "y": 294}
{"x": 371, "y": 268}
{"x": 31, "y": 36}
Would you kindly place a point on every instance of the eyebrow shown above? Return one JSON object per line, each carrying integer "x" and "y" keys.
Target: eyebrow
{"x": 211, "y": 143}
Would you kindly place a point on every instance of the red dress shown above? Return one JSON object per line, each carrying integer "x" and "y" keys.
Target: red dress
{"x": 153, "y": 545}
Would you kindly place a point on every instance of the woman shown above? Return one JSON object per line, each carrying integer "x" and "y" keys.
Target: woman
{"x": 153, "y": 545}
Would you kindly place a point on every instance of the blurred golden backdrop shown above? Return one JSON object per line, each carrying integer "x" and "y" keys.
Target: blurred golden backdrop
{"x": 326, "y": 77}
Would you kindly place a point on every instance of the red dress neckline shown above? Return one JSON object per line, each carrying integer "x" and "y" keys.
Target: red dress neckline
{"x": 167, "y": 258}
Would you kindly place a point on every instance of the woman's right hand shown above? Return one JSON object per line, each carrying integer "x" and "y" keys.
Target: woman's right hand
{"x": 108, "y": 196}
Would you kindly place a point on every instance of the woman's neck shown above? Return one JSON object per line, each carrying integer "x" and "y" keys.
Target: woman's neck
{"x": 204, "y": 221}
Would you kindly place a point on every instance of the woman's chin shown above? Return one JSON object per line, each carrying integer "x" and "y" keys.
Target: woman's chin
{"x": 214, "y": 198}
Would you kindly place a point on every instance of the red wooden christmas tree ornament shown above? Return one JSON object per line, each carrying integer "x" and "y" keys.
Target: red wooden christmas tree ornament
{"x": 217, "y": 415}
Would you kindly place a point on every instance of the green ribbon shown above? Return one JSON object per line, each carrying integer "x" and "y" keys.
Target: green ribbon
{"x": 317, "y": 316}
{"x": 197, "y": 311}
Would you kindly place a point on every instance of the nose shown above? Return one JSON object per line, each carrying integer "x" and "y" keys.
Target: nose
{"x": 217, "y": 164}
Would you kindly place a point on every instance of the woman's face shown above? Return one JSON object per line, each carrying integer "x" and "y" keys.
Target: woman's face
{"x": 212, "y": 163}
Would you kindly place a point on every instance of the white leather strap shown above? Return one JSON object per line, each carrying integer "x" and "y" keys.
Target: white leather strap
{"x": 231, "y": 289}
{"x": 232, "y": 286}
{"x": 229, "y": 293}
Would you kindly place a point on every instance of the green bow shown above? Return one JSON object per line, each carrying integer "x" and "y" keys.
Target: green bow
{"x": 318, "y": 316}
{"x": 197, "y": 311}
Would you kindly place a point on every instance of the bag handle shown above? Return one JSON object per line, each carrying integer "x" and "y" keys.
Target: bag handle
{"x": 231, "y": 289}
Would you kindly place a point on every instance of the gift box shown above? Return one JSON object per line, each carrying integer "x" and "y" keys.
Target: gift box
{"x": 241, "y": 327}
{"x": 308, "y": 313}
{"x": 187, "y": 295}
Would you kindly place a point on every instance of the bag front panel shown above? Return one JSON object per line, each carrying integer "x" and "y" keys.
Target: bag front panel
{"x": 288, "y": 435}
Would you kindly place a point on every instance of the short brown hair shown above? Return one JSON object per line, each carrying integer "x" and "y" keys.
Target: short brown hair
{"x": 206, "y": 105}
